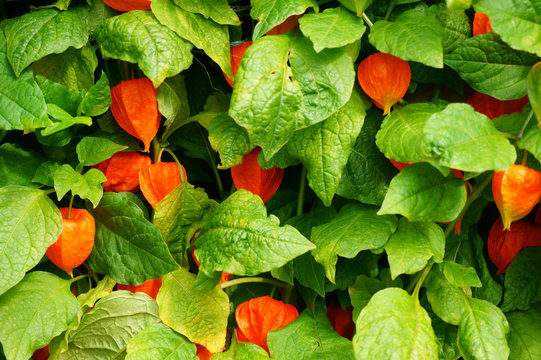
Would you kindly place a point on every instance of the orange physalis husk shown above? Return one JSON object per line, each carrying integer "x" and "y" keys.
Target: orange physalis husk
{"x": 149, "y": 287}
{"x": 128, "y": 5}
{"x": 41, "y": 354}
{"x": 492, "y": 107}
{"x": 252, "y": 177}
{"x": 481, "y": 24}
{"x": 503, "y": 245}
{"x": 516, "y": 191}
{"x": 289, "y": 24}
{"x": 341, "y": 320}
{"x": 203, "y": 353}
{"x": 75, "y": 242}
{"x": 237, "y": 52}
{"x": 256, "y": 317}
{"x": 135, "y": 109}
{"x": 384, "y": 78}
{"x": 122, "y": 171}
{"x": 158, "y": 180}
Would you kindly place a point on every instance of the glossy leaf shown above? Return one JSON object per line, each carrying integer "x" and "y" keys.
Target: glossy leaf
{"x": 98, "y": 98}
{"x": 271, "y": 13}
{"x": 93, "y": 150}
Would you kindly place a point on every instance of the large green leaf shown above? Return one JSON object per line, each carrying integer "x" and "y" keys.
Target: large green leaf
{"x": 138, "y": 37}
{"x": 491, "y": 67}
{"x": 30, "y": 223}
{"x": 127, "y": 246}
{"x": 200, "y": 315}
{"x": 34, "y": 311}
{"x": 421, "y": 193}
{"x": 357, "y": 227}
{"x": 533, "y": 85}
{"x": 414, "y": 35}
{"x": 17, "y": 165}
{"x": 203, "y": 33}
{"x": 217, "y": 10}
{"x": 334, "y": 27}
{"x": 271, "y": 13}
{"x": 310, "y": 336}
{"x": 460, "y": 138}
{"x": 523, "y": 280}
{"x": 525, "y": 334}
{"x": 111, "y": 324}
{"x": 159, "y": 342}
{"x": 35, "y": 35}
{"x": 394, "y": 325}
{"x": 518, "y": 22}
{"x": 229, "y": 139}
{"x": 240, "y": 239}
{"x": 324, "y": 148}
{"x": 266, "y": 100}
{"x": 413, "y": 245}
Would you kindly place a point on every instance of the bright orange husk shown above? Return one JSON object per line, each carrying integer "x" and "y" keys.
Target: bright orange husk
{"x": 158, "y": 180}
{"x": 289, "y": 24}
{"x": 252, "y": 177}
{"x": 481, "y": 24}
{"x": 149, "y": 287}
{"x": 237, "y": 52}
{"x": 384, "y": 78}
{"x": 203, "y": 353}
{"x": 255, "y": 318}
{"x": 341, "y": 320}
{"x": 75, "y": 242}
{"x": 516, "y": 191}
{"x": 122, "y": 171}
{"x": 135, "y": 109}
{"x": 128, "y": 5}
{"x": 503, "y": 245}
{"x": 492, "y": 107}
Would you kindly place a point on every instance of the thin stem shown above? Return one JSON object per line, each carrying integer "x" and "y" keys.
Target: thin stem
{"x": 92, "y": 273}
{"x": 524, "y": 157}
{"x": 212, "y": 158}
{"x": 156, "y": 151}
{"x": 75, "y": 279}
{"x": 170, "y": 152}
{"x": 389, "y": 9}
{"x": 367, "y": 20}
{"x": 256, "y": 279}
{"x": 302, "y": 190}
{"x": 422, "y": 279}
{"x": 70, "y": 206}
{"x": 437, "y": 91}
{"x": 521, "y": 132}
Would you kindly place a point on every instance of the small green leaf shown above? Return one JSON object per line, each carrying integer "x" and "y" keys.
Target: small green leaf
{"x": 159, "y": 342}
{"x": 525, "y": 334}
{"x": 460, "y": 275}
{"x": 173, "y": 104}
{"x": 240, "y": 239}
{"x": 533, "y": 85}
{"x": 413, "y": 36}
{"x": 63, "y": 120}
{"x": 270, "y": 13}
{"x": 362, "y": 291}
{"x": 217, "y": 10}
{"x": 531, "y": 141}
{"x": 523, "y": 280}
{"x": 33, "y": 312}
{"x": 93, "y": 150}
{"x": 87, "y": 186}
{"x": 413, "y": 245}
{"x": 421, "y": 193}
{"x": 18, "y": 165}
{"x": 229, "y": 139}
{"x": 98, "y": 98}
{"x": 394, "y": 325}
{"x": 179, "y": 300}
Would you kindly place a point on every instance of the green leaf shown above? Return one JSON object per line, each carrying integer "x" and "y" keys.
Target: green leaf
{"x": 413, "y": 36}
{"x": 266, "y": 100}
{"x": 217, "y": 10}
{"x": 517, "y": 22}
{"x": 333, "y": 28}
{"x": 523, "y": 280}
{"x": 357, "y": 6}
{"x": 412, "y": 245}
{"x": 127, "y": 246}
{"x": 446, "y": 300}
{"x": 98, "y": 98}
{"x": 33, "y": 312}
{"x": 491, "y": 67}
{"x": 203, "y": 33}
{"x": 421, "y": 193}
{"x": 446, "y": 335}
{"x": 87, "y": 186}
{"x": 111, "y": 324}
{"x": 18, "y": 165}
{"x": 531, "y": 141}
{"x": 229, "y": 139}
{"x": 74, "y": 68}
{"x": 54, "y": 93}
{"x": 179, "y": 215}
{"x": 458, "y": 4}
{"x": 242, "y": 351}
{"x": 310, "y": 336}
{"x": 216, "y": 104}
{"x": 324, "y": 148}
{"x": 271, "y": 13}
{"x": 460, "y": 275}
{"x": 309, "y": 273}
{"x": 460, "y": 138}
{"x": 525, "y": 334}
{"x": 394, "y": 325}
{"x": 138, "y": 37}
{"x": 31, "y": 223}
{"x": 93, "y": 150}
{"x": 34, "y": 35}
{"x": 357, "y": 227}
{"x": 178, "y": 299}
{"x": 362, "y": 291}
{"x": 157, "y": 342}
{"x": 401, "y": 135}
{"x": 240, "y": 239}
{"x": 63, "y": 120}
{"x": 326, "y": 80}
{"x": 533, "y": 85}
{"x": 45, "y": 173}
{"x": 455, "y": 24}
{"x": 173, "y": 104}
{"x": 367, "y": 174}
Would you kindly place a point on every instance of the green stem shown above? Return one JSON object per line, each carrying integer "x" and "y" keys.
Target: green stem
{"x": 524, "y": 157}
{"x": 525, "y": 125}
{"x": 256, "y": 279}
{"x": 75, "y": 279}
{"x": 437, "y": 91}
{"x": 70, "y": 206}
{"x": 212, "y": 157}
{"x": 156, "y": 150}
{"x": 422, "y": 279}
{"x": 178, "y": 163}
{"x": 302, "y": 190}
{"x": 367, "y": 20}
{"x": 92, "y": 273}
{"x": 389, "y": 9}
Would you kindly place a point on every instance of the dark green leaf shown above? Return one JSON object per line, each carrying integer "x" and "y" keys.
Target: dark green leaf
{"x": 173, "y": 104}
{"x": 17, "y": 165}
{"x": 523, "y": 280}
{"x": 54, "y": 93}
{"x": 98, "y": 98}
